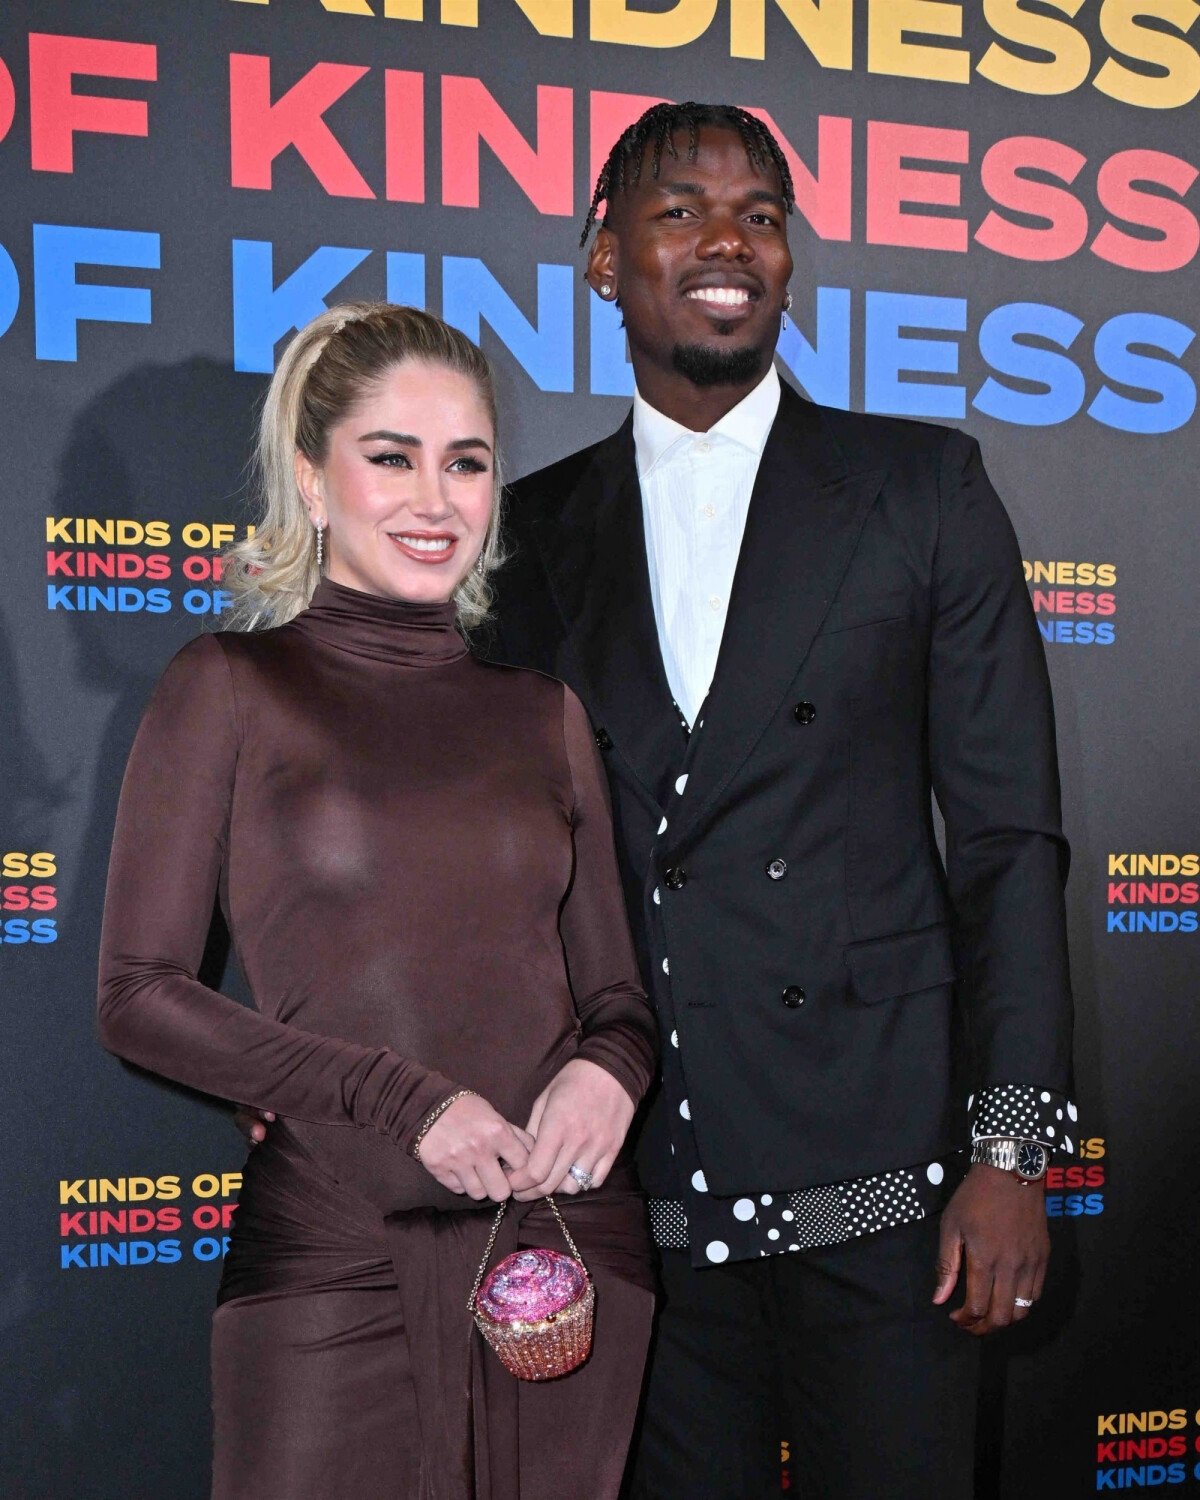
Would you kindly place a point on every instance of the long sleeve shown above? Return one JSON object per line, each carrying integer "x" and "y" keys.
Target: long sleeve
{"x": 995, "y": 774}
{"x": 620, "y": 1032}
{"x": 169, "y": 849}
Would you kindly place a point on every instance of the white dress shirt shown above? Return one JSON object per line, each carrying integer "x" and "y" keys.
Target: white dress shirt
{"x": 695, "y": 497}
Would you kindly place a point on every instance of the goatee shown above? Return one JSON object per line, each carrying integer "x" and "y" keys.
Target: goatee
{"x": 703, "y": 365}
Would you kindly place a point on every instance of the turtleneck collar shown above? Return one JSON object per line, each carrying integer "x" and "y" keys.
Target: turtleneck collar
{"x": 395, "y": 630}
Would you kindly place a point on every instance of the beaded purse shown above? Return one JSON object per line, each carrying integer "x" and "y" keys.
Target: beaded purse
{"x": 536, "y": 1308}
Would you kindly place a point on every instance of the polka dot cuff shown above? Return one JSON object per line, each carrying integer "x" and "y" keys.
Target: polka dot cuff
{"x": 1027, "y": 1112}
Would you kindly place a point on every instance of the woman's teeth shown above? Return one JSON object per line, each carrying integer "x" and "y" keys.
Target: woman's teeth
{"x": 425, "y": 543}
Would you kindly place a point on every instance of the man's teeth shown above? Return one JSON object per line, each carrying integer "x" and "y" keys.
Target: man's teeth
{"x": 723, "y": 296}
{"x": 425, "y": 543}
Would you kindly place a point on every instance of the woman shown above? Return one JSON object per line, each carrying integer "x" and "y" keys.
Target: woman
{"x": 414, "y": 856}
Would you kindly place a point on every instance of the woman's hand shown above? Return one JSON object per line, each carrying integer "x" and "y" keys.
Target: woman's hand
{"x": 253, "y": 1123}
{"x": 471, "y": 1149}
{"x": 579, "y": 1119}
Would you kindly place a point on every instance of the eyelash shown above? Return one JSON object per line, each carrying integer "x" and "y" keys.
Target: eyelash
{"x": 385, "y": 461}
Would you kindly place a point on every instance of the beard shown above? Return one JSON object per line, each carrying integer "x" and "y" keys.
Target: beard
{"x": 705, "y": 365}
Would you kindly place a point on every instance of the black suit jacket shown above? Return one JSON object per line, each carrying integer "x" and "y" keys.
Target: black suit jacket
{"x": 879, "y": 644}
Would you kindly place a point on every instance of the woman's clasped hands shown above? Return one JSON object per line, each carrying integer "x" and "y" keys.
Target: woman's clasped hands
{"x": 580, "y": 1119}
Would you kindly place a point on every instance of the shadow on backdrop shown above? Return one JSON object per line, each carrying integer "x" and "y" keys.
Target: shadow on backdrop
{"x": 162, "y": 443}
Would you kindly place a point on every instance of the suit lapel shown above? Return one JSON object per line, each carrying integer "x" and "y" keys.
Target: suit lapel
{"x": 806, "y": 512}
{"x": 594, "y": 550}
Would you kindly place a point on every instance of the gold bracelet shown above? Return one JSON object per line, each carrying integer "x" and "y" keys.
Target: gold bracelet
{"x": 431, "y": 1119}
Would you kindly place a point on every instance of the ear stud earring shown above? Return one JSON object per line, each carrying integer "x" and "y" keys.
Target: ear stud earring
{"x": 606, "y": 290}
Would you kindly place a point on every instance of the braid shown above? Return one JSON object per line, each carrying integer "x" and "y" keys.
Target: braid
{"x": 655, "y": 133}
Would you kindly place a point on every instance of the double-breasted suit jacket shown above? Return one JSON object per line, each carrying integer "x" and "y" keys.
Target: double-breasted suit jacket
{"x": 835, "y": 989}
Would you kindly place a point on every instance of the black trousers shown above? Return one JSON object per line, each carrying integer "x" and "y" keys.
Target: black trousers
{"x": 838, "y": 1353}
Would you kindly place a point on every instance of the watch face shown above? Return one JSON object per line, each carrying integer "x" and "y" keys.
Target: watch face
{"x": 1031, "y": 1160}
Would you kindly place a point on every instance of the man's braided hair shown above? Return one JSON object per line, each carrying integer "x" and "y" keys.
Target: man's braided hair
{"x": 655, "y": 134}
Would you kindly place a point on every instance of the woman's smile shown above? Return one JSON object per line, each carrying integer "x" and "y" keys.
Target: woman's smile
{"x": 430, "y": 547}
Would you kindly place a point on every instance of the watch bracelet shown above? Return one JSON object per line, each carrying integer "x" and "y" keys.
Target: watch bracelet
{"x": 1014, "y": 1143}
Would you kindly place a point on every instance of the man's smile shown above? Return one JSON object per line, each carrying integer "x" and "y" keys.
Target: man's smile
{"x": 720, "y": 296}
{"x": 730, "y": 295}
{"x": 722, "y": 288}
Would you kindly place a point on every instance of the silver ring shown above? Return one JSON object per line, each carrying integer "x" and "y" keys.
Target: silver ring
{"x": 582, "y": 1177}
{"x": 1023, "y": 1301}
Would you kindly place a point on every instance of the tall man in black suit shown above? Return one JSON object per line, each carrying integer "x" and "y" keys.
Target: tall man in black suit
{"x": 791, "y": 624}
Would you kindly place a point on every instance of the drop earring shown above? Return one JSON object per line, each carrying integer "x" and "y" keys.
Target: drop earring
{"x": 320, "y": 529}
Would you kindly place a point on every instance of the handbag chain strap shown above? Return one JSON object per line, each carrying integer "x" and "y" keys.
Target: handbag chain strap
{"x": 487, "y": 1254}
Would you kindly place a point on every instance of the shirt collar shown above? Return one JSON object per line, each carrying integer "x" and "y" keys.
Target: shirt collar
{"x": 747, "y": 424}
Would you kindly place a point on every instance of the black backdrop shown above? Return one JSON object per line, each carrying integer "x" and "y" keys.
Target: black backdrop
{"x": 998, "y": 229}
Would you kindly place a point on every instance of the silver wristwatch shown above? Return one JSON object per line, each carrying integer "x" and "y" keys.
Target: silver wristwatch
{"x": 1028, "y": 1159}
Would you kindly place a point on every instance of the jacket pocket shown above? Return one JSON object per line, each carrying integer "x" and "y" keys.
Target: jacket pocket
{"x": 866, "y": 609}
{"x": 885, "y": 968}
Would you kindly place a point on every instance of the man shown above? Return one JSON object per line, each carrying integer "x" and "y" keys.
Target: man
{"x": 790, "y": 624}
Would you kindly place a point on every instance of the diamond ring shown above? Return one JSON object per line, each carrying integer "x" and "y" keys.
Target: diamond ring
{"x": 582, "y": 1177}
{"x": 1023, "y": 1301}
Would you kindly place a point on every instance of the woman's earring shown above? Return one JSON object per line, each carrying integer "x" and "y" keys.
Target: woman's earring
{"x": 320, "y": 527}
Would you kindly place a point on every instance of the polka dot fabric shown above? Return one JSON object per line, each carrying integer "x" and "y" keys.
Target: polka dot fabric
{"x": 668, "y": 1224}
{"x": 1024, "y": 1110}
{"x": 749, "y": 1226}
{"x": 718, "y": 1229}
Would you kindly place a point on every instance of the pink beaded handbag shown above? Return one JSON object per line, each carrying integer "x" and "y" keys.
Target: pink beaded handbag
{"x": 536, "y": 1308}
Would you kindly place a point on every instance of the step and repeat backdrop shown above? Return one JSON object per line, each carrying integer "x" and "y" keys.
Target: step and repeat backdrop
{"x": 997, "y": 228}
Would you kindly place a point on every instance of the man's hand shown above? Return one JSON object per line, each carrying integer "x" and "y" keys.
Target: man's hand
{"x": 998, "y": 1225}
{"x": 470, "y": 1148}
{"x": 579, "y": 1119}
{"x": 253, "y": 1123}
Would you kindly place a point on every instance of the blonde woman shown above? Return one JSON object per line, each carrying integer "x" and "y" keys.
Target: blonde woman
{"x": 414, "y": 855}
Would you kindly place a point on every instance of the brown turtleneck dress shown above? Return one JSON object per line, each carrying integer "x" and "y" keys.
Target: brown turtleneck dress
{"x": 413, "y": 853}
